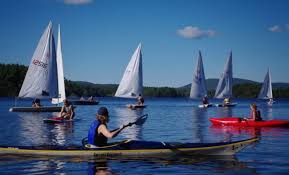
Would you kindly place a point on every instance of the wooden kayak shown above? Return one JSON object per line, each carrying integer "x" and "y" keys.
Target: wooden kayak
{"x": 132, "y": 148}
{"x": 234, "y": 121}
{"x": 36, "y": 109}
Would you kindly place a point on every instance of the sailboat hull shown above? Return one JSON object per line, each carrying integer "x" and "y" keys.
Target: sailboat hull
{"x": 84, "y": 102}
{"x": 34, "y": 109}
{"x": 226, "y": 105}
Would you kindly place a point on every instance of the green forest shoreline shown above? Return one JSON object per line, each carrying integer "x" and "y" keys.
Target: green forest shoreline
{"x": 12, "y": 76}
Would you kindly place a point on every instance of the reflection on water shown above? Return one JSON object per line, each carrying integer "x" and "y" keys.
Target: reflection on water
{"x": 58, "y": 133}
{"x": 35, "y": 132}
{"x": 198, "y": 119}
{"x": 174, "y": 165}
{"x": 229, "y": 132}
{"x": 224, "y": 111}
{"x": 99, "y": 168}
{"x": 185, "y": 164}
{"x": 31, "y": 128}
{"x": 267, "y": 113}
{"x": 123, "y": 116}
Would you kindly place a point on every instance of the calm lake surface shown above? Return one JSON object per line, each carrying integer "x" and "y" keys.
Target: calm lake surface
{"x": 170, "y": 119}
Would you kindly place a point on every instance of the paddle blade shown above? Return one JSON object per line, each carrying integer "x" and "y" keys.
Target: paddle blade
{"x": 141, "y": 120}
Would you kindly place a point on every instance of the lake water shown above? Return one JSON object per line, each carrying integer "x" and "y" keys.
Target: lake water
{"x": 170, "y": 119}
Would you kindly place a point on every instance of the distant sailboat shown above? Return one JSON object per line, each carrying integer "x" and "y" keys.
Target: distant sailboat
{"x": 199, "y": 88}
{"x": 41, "y": 79}
{"x": 224, "y": 88}
{"x": 266, "y": 90}
{"x": 131, "y": 84}
{"x": 61, "y": 86}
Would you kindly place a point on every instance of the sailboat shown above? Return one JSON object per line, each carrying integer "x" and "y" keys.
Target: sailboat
{"x": 61, "y": 86}
{"x": 131, "y": 84}
{"x": 41, "y": 78}
{"x": 225, "y": 84}
{"x": 199, "y": 88}
{"x": 266, "y": 90}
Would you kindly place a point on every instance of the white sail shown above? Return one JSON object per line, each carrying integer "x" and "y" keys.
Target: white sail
{"x": 41, "y": 78}
{"x": 224, "y": 88}
{"x": 199, "y": 88}
{"x": 131, "y": 84}
{"x": 266, "y": 90}
{"x": 61, "y": 86}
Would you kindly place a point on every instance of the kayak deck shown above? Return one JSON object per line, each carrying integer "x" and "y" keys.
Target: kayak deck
{"x": 133, "y": 148}
{"x": 234, "y": 121}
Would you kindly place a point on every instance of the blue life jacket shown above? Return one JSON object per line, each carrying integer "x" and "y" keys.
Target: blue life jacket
{"x": 93, "y": 132}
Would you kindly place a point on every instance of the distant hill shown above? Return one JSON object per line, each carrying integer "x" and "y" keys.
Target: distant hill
{"x": 213, "y": 82}
{"x": 86, "y": 83}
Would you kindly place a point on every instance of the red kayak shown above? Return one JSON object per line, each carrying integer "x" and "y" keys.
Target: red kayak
{"x": 234, "y": 121}
{"x": 56, "y": 120}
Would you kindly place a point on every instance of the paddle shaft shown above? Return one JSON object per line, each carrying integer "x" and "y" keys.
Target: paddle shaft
{"x": 132, "y": 123}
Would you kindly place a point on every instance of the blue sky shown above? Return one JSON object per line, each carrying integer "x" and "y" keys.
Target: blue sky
{"x": 99, "y": 37}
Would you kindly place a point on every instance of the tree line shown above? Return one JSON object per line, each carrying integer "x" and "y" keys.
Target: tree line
{"x": 12, "y": 77}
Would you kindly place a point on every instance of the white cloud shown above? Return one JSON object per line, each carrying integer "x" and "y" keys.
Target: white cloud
{"x": 191, "y": 32}
{"x": 77, "y": 2}
{"x": 275, "y": 28}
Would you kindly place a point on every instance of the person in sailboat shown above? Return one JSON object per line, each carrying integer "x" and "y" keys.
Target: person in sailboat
{"x": 140, "y": 100}
{"x": 36, "y": 103}
{"x": 91, "y": 99}
{"x": 205, "y": 100}
{"x": 67, "y": 111}
{"x": 255, "y": 114}
{"x": 271, "y": 101}
{"x": 98, "y": 133}
{"x": 227, "y": 101}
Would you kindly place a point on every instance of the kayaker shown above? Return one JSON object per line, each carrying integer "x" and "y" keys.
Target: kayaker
{"x": 98, "y": 133}
{"x": 66, "y": 110}
{"x": 140, "y": 100}
{"x": 255, "y": 114}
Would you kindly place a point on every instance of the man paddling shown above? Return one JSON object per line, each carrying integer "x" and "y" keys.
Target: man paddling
{"x": 98, "y": 133}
